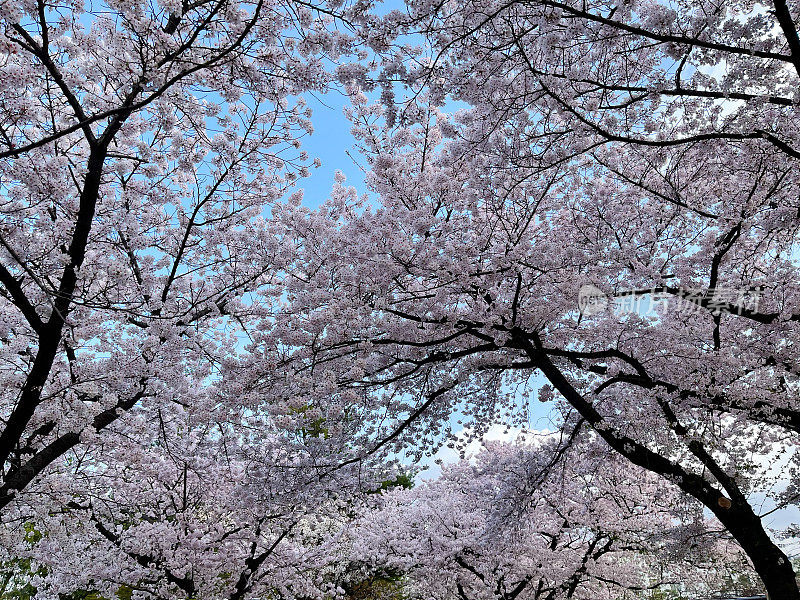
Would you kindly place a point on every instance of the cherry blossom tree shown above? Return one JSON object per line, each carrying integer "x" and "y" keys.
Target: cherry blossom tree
{"x": 514, "y": 525}
{"x": 637, "y": 151}
{"x": 678, "y": 121}
{"x": 140, "y": 143}
{"x": 192, "y": 510}
{"x": 142, "y": 147}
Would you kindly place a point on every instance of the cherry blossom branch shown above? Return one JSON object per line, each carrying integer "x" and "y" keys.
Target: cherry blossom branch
{"x": 736, "y": 514}
{"x": 662, "y": 37}
{"x": 20, "y": 476}
{"x": 789, "y": 31}
{"x": 20, "y": 299}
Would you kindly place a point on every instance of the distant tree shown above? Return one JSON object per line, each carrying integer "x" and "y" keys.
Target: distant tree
{"x": 227, "y": 510}
{"x": 515, "y": 526}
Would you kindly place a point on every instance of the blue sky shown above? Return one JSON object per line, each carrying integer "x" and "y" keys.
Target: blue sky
{"x": 330, "y": 142}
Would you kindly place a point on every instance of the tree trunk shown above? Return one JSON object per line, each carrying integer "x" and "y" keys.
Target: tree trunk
{"x": 769, "y": 561}
{"x": 738, "y": 517}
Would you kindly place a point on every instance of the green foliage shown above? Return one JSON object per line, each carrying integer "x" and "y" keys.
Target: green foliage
{"x": 16, "y": 574}
{"x": 82, "y": 595}
{"x": 13, "y": 586}
{"x": 124, "y": 593}
{"x": 386, "y": 586}
{"x": 663, "y": 594}
{"x": 32, "y": 535}
{"x": 314, "y": 428}
{"x": 403, "y": 480}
